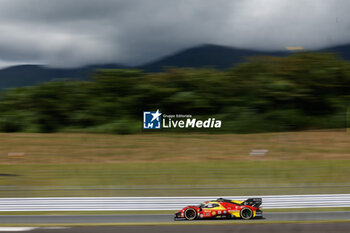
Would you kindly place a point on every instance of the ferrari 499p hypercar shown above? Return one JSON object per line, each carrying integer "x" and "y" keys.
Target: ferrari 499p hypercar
{"x": 222, "y": 208}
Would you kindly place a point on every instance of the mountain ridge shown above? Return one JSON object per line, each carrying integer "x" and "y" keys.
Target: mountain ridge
{"x": 215, "y": 56}
{"x": 207, "y": 55}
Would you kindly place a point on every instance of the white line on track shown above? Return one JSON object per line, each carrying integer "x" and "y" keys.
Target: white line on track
{"x": 14, "y": 229}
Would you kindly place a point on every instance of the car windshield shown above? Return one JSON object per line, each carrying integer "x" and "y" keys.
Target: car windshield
{"x": 201, "y": 205}
{"x": 208, "y": 205}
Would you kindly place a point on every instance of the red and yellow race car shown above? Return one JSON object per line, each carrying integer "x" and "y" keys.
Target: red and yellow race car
{"x": 222, "y": 208}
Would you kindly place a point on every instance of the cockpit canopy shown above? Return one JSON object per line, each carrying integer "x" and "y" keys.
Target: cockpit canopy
{"x": 209, "y": 205}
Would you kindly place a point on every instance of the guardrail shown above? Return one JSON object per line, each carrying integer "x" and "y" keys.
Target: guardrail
{"x": 163, "y": 203}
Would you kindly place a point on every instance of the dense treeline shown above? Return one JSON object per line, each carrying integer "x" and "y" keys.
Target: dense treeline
{"x": 302, "y": 91}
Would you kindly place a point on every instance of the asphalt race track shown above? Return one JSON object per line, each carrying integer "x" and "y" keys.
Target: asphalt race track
{"x": 251, "y": 228}
{"x": 297, "y": 216}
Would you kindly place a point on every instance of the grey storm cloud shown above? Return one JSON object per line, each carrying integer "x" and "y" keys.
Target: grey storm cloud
{"x": 68, "y": 33}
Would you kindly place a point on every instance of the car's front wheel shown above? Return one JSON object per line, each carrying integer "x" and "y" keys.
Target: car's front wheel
{"x": 190, "y": 214}
{"x": 246, "y": 213}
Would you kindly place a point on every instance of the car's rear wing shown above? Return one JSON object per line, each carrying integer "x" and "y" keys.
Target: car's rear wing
{"x": 255, "y": 202}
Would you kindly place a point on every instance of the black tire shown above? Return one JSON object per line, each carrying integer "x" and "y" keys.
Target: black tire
{"x": 190, "y": 214}
{"x": 246, "y": 213}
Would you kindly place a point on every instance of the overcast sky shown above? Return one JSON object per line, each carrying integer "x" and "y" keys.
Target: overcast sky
{"x": 68, "y": 33}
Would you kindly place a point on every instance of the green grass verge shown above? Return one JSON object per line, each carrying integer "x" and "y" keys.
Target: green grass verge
{"x": 174, "y": 164}
{"x": 182, "y": 223}
{"x": 217, "y": 178}
{"x": 68, "y": 148}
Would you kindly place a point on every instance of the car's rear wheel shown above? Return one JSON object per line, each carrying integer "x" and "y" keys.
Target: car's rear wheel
{"x": 246, "y": 213}
{"x": 190, "y": 214}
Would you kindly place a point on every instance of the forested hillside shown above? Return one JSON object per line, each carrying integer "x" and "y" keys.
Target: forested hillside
{"x": 301, "y": 91}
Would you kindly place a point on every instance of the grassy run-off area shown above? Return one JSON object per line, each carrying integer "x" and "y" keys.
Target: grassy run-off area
{"x": 173, "y": 164}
